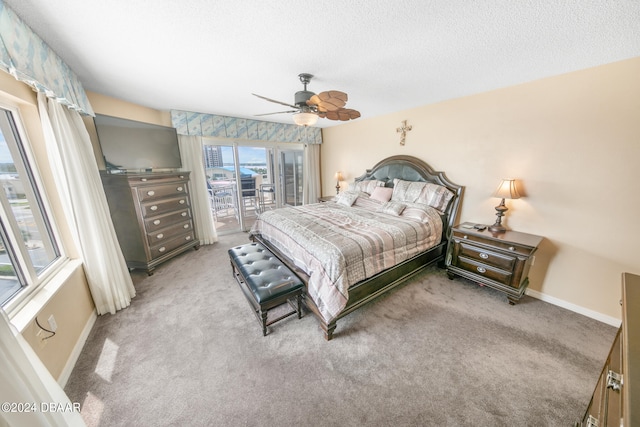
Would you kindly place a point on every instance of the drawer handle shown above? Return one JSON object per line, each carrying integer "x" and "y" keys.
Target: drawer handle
{"x": 150, "y": 193}
{"x": 614, "y": 380}
{"x": 483, "y": 255}
{"x": 511, "y": 248}
{"x": 144, "y": 180}
{"x": 481, "y": 269}
{"x": 465, "y": 237}
{"x": 183, "y": 214}
{"x": 185, "y": 226}
{"x": 156, "y": 222}
{"x": 154, "y": 208}
{"x": 160, "y": 236}
{"x": 187, "y": 238}
{"x": 181, "y": 176}
{"x": 182, "y": 202}
{"x": 162, "y": 249}
{"x": 180, "y": 188}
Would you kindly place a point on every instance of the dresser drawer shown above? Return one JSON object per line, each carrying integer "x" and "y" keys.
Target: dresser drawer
{"x": 150, "y": 209}
{"x": 484, "y": 270}
{"x": 166, "y": 247}
{"x": 162, "y": 221}
{"x": 167, "y": 233}
{"x": 135, "y": 180}
{"x": 484, "y": 256}
{"x": 146, "y": 193}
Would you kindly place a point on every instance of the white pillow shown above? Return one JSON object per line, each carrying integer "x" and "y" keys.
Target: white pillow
{"x": 347, "y": 198}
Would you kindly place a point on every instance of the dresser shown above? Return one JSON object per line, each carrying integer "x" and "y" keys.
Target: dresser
{"x": 152, "y": 216}
{"x": 616, "y": 398}
{"x": 498, "y": 260}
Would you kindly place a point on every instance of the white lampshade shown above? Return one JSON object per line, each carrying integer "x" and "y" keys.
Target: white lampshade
{"x": 305, "y": 119}
{"x": 507, "y": 190}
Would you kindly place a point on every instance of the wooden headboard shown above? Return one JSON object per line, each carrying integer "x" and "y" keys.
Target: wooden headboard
{"x": 410, "y": 168}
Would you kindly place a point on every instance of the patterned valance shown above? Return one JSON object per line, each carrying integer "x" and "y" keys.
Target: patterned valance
{"x": 29, "y": 59}
{"x": 200, "y": 124}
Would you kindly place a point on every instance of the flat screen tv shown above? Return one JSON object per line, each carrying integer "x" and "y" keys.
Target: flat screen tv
{"x": 128, "y": 145}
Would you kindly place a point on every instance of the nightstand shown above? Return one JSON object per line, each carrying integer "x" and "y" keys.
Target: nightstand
{"x": 498, "y": 260}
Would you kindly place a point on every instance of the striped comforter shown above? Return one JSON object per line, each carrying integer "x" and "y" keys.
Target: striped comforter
{"x": 338, "y": 246}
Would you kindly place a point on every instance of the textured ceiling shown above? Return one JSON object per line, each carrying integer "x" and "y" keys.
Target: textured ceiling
{"x": 209, "y": 56}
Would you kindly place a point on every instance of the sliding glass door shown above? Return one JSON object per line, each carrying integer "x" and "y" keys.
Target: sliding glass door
{"x": 243, "y": 182}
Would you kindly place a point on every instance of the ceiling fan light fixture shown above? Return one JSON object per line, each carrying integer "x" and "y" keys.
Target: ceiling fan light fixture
{"x": 305, "y": 119}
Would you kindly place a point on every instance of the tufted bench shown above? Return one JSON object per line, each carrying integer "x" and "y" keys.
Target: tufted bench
{"x": 265, "y": 281}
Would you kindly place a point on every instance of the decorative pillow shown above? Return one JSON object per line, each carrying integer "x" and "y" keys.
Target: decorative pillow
{"x": 347, "y": 198}
{"x": 364, "y": 201}
{"x": 367, "y": 186}
{"x": 420, "y": 212}
{"x": 434, "y": 195}
{"x": 392, "y": 208}
{"x": 382, "y": 194}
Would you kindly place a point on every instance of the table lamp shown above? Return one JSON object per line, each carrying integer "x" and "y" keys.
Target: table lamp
{"x": 338, "y": 179}
{"x": 506, "y": 190}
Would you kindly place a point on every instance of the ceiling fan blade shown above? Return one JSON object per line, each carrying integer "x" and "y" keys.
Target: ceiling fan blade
{"x": 342, "y": 114}
{"x": 331, "y": 100}
{"x": 273, "y": 100}
{"x": 279, "y": 112}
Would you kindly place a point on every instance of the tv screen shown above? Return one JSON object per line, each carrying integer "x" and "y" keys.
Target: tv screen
{"x": 128, "y": 145}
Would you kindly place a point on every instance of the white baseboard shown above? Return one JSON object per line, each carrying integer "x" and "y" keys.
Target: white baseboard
{"x": 575, "y": 308}
{"x": 77, "y": 349}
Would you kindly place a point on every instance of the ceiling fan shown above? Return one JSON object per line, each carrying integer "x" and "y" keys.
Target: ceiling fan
{"x": 308, "y": 106}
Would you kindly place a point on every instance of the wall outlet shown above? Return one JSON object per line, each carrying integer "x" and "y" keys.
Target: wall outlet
{"x": 52, "y": 323}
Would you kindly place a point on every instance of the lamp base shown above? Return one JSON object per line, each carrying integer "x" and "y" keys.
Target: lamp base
{"x": 497, "y": 228}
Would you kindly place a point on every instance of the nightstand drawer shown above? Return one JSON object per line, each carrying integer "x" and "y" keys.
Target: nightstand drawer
{"x": 513, "y": 247}
{"x": 485, "y": 270}
{"x": 487, "y": 257}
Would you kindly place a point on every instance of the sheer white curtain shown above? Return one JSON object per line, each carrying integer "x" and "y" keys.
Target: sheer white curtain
{"x": 24, "y": 379}
{"x": 311, "y": 190}
{"x": 192, "y": 154}
{"x": 78, "y": 180}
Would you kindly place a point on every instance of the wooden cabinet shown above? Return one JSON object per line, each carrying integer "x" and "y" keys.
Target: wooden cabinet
{"x": 151, "y": 213}
{"x": 498, "y": 260}
{"x": 615, "y": 402}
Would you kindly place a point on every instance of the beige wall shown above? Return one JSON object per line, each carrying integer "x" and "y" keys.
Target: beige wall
{"x": 70, "y": 303}
{"x": 573, "y": 141}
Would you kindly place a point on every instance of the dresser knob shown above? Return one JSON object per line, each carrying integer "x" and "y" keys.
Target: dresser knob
{"x": 483, "y": 255}
{"x": 182, "y": 202}
{"x": 183, "y": 214}
{"x": 465, "y": 237}
{"x": 187, "y": 238}
{"x": 144, "y": 180}
{"x": 162, "y": 249}
{"x": 185, "y": 226}
{"x": 160, "y": 236}
{"x": 150, "y": 193}
{"x": 511, "y": 248}
{"x": 481, "y": 269}
{"x": 179, "y": 188}
{"x": 156, "y": 222}
{"x": 154, "y": 208}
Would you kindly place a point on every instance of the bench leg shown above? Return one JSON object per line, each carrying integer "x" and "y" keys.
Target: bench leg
{"x": 299, "y": 298}
{"x": 263, "y": 315}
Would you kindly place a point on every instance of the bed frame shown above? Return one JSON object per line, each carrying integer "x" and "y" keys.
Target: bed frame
{"x": 409, "y": 169}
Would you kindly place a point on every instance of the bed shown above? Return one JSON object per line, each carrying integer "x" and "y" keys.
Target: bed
{"x": 393, "y": 221}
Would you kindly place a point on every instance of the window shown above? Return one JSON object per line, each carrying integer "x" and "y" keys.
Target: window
{"x": 28, "y": 248}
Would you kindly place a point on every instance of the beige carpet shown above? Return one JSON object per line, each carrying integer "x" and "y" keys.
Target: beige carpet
{"x": 434, "y": 352}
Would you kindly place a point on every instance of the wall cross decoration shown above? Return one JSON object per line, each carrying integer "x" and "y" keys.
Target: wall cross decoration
{"x": 403, "y": 131}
